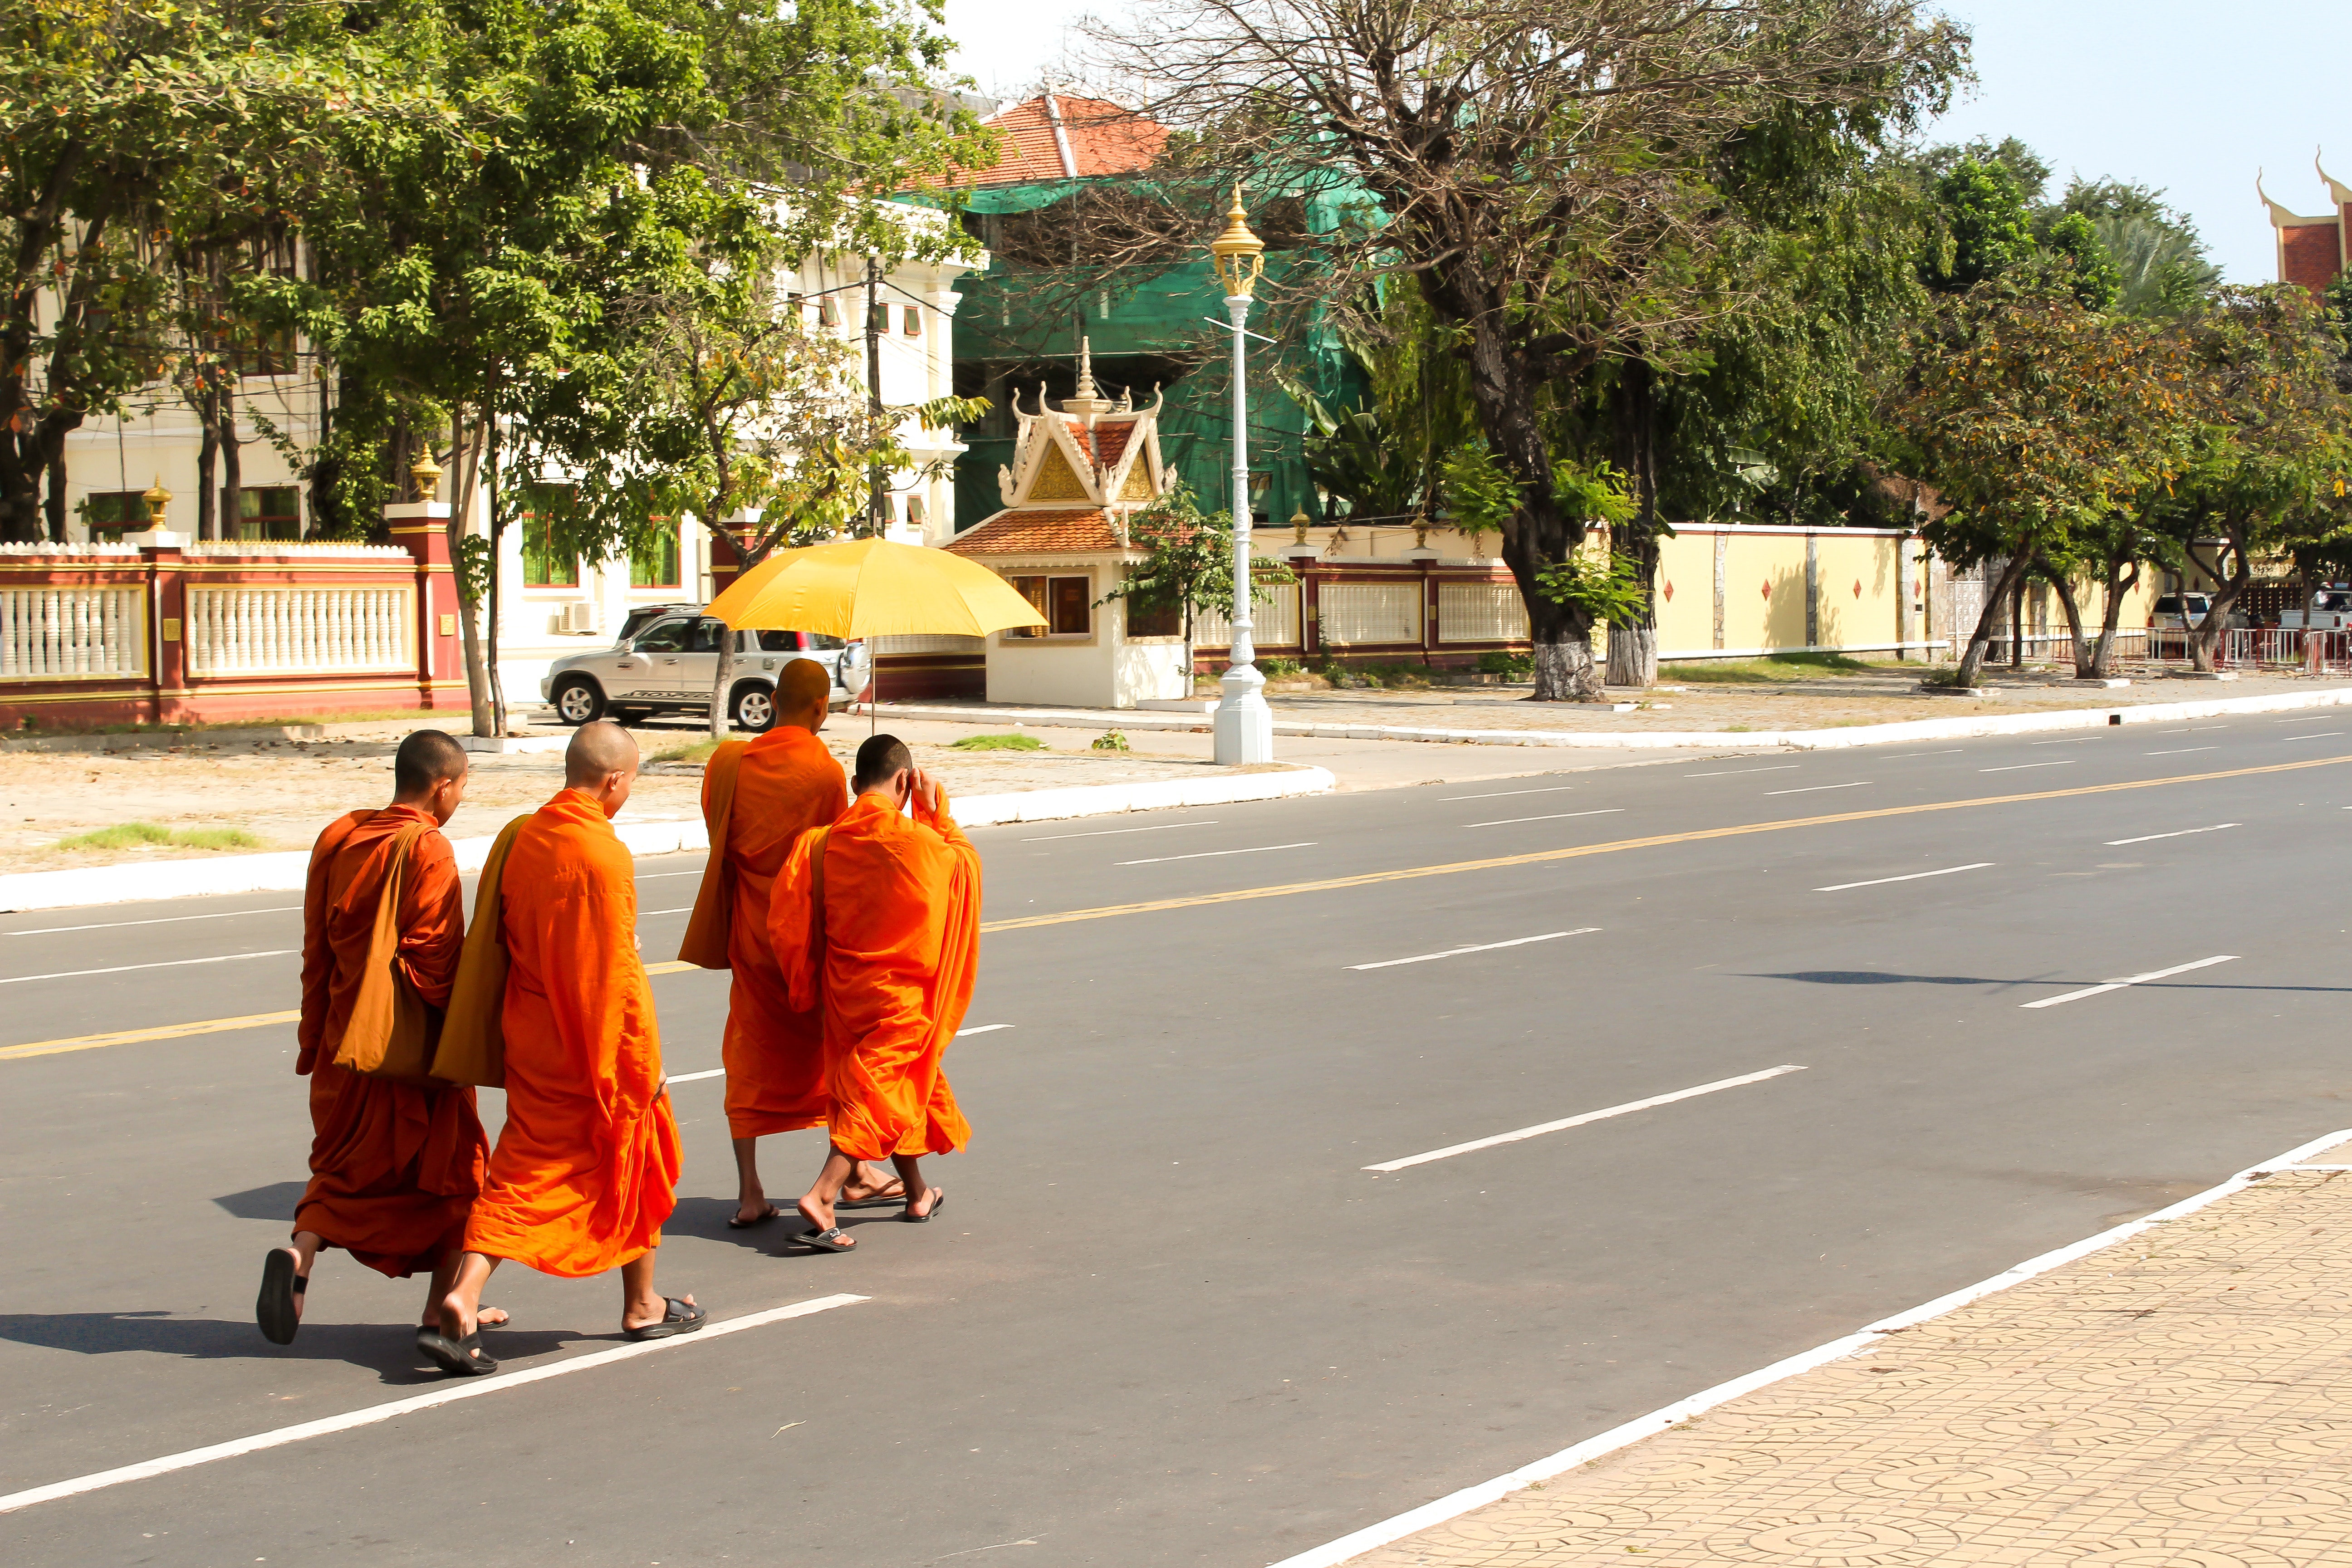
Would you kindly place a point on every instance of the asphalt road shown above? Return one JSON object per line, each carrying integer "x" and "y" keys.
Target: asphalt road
{"x": 1168, "y": 1317}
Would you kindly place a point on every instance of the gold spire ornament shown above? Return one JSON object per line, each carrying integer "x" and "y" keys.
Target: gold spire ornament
{"x": 1239, "y": 255}
{"x": 157, "y": 498}
{"x": 427, "y": 475}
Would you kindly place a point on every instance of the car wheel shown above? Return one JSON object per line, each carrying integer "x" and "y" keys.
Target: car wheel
{"x": 579, "y": 700}
{"x": 754, "y": 708}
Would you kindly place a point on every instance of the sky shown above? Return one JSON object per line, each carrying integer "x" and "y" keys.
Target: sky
{"x": 2186, "y": 95}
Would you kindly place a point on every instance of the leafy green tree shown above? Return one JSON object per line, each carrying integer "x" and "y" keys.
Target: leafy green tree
{"x": 1187, "y": 562}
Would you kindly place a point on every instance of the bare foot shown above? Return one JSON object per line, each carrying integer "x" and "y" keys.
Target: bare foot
{"x": 819, "y": 1215}
{"x": 753, "y": 1210}
{"x": 487, "y": 1318}
{"x": 921, "y": 1206}
{"x": 867, "y": 1185}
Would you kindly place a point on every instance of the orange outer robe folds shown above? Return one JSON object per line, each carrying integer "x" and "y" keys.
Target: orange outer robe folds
{"x": 586, "y": 1167}
{"x": 891, "y": 959}
{"x": 786, "y": 783}
{"x": 393, "y": 1168}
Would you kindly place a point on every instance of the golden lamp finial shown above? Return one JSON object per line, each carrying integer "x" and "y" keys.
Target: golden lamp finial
{"x": 157, "y": 498}
{"x": 1239, "y": 255}
{"x": 427, "y": 475}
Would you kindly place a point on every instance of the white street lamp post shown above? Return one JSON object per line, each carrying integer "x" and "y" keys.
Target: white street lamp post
{"x": 1244, "y": 725}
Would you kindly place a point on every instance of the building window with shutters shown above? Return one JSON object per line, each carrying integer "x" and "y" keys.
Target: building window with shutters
{"x": 914, "y": 327}
{"x": 543, "y": 567}
{"x": 274, "y": 512}
{"x": 109, "y": 514}
{"x": 653, "y": 559}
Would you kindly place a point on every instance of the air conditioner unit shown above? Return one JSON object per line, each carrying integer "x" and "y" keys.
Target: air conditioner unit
{"x": 579, "y": 618}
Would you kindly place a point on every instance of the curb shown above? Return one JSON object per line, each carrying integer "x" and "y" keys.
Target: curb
{"x": 1655, "y": 740}
{"x": 1860, "y": 1342}
{"x": 286, "y": 872}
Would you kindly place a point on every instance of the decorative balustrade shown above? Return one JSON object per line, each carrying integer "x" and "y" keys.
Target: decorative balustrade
{"x": 59, "y": 633}
{"x": 1481, "y": 612}
{"x": 1371, "y": 612}
{"x": 300, "y": 631}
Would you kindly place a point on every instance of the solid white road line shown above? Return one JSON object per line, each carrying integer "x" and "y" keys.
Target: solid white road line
{"x": 1106, "y": 832}
{"x": 1734, "y": 772}
{"x": 1482, "y": 947}
{"x": 2069, "y": 740}
{"x": 127, "y": 968}
{"x": 1809, "y": 789}
{"x": 465, "y": 1388}
{"x": 166, "y": 921}
{"x": 2131, "y": 980}
{"x": 1567, "y": 1122}
{"x": 1497, "y": 795}
{"x": 1555, "y": 816}
{"x": 647, "y": 914}
{"x": 982, "y": 1029}
{"x": 2152, "y": 837}
{"x": 1213, "y": 854}
{"x": 1948, "y": 752}
{"x": 2323, "y": 735}
{"x": 1881, "y": 882}
{"x": 1333, "y": 1553}
{"x": 2181, "y": 751}
{"x": 658, "y": 876}
{"x": 2013, "y": 767}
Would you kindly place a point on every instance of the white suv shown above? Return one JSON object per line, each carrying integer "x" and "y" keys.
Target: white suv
{"x": 671, "y": 663}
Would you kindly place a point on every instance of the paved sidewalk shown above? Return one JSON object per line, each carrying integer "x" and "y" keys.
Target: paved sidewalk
{"x": 2180, "y": 1399}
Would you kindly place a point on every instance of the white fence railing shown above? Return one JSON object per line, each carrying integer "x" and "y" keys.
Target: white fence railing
{"x": 300, "y": 631}
{"x": 1481, "y": 612}
{"x": 58, "y": 634}
{"x": 1273, "y": 621}
{"x": 1357, "y": 613}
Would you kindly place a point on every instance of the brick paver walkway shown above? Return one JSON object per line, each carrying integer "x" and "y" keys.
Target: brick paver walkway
{"x": 2181, "y": 1400}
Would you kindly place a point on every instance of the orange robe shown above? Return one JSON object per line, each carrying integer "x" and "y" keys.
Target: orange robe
{"x": 393, "y": 1168}
{"x": 785, "y": 784}
{"x": 586, "y": 1167}
{"x": 891, "y": 960}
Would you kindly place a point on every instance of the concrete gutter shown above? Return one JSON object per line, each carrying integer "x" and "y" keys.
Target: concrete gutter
{"x": 286, "y": 872}
{"x": 1657, "y": 739}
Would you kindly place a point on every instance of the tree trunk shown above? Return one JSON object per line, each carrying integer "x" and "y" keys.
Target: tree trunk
{"x": 2111, "y": 614}
{"x": 1981, "y": 640}
{"x": 207, "y": 458}
{"x": 2227, "y": 592}
{"x": 56, "y": 507}
{"x": 1633, "y": 644}
{"x": 232, "y": 511}
{"x": 465, "y": 455}
{"x": 491, "y": 478}
{"x": 720, "y": 717}
{"x": 2085, "y": 660}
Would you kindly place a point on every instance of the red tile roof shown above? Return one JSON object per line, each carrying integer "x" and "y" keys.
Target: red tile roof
{"x": 1033, "y": 532}
{"x": 1104, "y": 139}
{"x": 1110, "y": 438}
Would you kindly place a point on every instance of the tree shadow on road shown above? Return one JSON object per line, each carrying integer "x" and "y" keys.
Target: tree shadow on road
{"x": 387, "y": 1349}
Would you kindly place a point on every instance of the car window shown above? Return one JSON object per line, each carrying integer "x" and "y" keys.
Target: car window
{"x": 819, "y": 642}
{"x": 2167, "y": 605}
{"x": 779, "y": 642}
{"x": 707, "y": 636}
{"x": 662, "y": 637}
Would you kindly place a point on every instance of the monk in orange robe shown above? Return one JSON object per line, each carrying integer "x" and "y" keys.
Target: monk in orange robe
{"x": 585, "y": 1170}
{"x": 393, "y": 1167}
{"x": 877, "y": 922}
{"x": 757, "y": 798}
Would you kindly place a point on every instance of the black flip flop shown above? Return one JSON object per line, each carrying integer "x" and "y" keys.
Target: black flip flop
{"x": 833, "y": 1238}
{"x": 939, "y": 1201}
{"x": 880, "y": 1201}
{"x": 677, "y": 1318}
{"x": 280, "y": 1288}
{"x": 735, "y": 1224}
{"x": 458, "y": 1358}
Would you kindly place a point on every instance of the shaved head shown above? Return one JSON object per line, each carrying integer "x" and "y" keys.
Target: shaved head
{"x": 803, "y": 690}
{"x": 423, "y": 760}
{"x": 597, "y": 752}
{"x": 877, "y": 760}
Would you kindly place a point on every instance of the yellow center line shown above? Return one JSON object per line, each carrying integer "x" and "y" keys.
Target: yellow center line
{"x": 1499, "y": 862}
{"x": 1328, "y": 884}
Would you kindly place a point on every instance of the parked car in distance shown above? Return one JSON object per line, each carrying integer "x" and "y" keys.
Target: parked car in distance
{"x": 2330, "y": 610}
{"x": 2173, "y": 612}
{"x": 670, "y": 661}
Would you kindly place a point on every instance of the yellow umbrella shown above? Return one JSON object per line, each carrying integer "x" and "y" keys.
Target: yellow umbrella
{"x": 858, "y": 588}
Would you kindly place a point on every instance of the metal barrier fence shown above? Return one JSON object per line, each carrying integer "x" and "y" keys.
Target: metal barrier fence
{"x": 2237, "y": 648}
